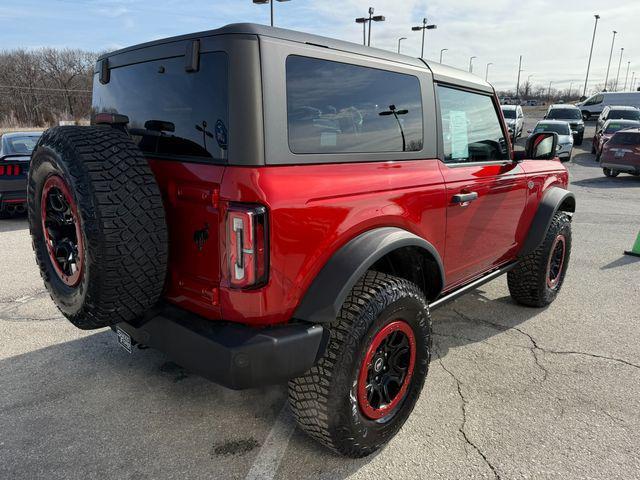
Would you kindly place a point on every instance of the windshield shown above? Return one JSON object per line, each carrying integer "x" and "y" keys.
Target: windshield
{"x": 625, "y": 138}
{"x": 20, "y": 144}
{"x": 625, "y": 114}
{"x": 559, "y": 128}
{"x": 615, "y": 126}
{"x": 564, "y": 113}
{"x": 510, "y": 113}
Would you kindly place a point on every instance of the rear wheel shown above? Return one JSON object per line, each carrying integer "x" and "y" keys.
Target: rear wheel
{"x": 608, "y": 172}
{"x": 586, "y": 115}
{"x": 362, "y": 390}
{"x": 538, "y": 277}
{"x": 97, "y": 225}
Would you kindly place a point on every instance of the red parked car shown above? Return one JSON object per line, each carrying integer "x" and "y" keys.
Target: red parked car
{"x": 606, "y": 132}
{"x": 269, "y": 206}
{"x": 621, "y": 154}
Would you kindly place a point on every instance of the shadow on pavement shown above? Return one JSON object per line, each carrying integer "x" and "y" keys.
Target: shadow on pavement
{"x": 14, "y": 223}
{"x": 86, "y": 408}
{"x": 622, "y": 181}
{"x": 621, "y": 262}
{"x": 585, "y": 160}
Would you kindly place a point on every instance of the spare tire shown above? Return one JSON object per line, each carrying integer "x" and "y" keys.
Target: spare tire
{"x": 97, "y": 225}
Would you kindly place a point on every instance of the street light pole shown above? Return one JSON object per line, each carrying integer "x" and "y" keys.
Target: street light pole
{"x": 270, "y": 2}
{"x": 486, "y": 73}
{"x": 626, "y": 77}
{"x": 528, "y": 85}
{"x": 423, "y": 27}
{"x": 441, "y": 52}
{"x": 570, "y": 88}
{"x": 370, "y": 20}
{"x": 399, "y": 40}
{"x": 618, "y": 75}
{"x": 518, "y": 82}
{"x": 606, "y": 79}
{"x": 471, "y": 64}
{"x": 549, "y": 92}
{"x": 586, "y": 79}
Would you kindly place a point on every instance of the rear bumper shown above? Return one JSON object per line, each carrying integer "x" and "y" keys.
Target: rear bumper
{"x": 620, "y": 167}
{"x": 14, "y": 197}
{"x": 230, "y": 354}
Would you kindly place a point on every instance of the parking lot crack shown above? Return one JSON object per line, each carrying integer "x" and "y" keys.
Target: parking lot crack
{"x": 462, "y": 428}
{"x": 503, "y": 328}
{"x": 593, "y": 355}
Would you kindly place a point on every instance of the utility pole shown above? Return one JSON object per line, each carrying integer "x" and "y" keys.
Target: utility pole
{"x": 570, "y": 88}
{"x": 518, "y": 82}
{"x": 471, "y": 64}
{"x": 586, "y": 79}
{"x": 549, "y": 92}
{"x": 626, "y": 77}
{"x": 613, "y": 41}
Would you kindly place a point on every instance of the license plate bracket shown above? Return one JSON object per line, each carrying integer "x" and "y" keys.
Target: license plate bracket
{"x": 124, "y": 339}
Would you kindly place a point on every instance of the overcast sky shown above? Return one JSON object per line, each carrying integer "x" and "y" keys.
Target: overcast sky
{"x": 553, "y": 36}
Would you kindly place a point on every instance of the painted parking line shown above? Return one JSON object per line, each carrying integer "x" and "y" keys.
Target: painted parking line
{"x": 274, "y": 447}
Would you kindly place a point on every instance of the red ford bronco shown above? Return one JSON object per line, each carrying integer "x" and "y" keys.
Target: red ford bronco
{"x": 268, "y": 206}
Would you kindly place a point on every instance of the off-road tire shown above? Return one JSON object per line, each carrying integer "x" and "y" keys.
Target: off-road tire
{"x": 324, "y": 400}
{"x": 528, "y": 282}
{"x": 121, "y": 218}
{"x": 608, "y": 172}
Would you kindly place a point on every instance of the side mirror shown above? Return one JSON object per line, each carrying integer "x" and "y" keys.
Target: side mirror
{"x": 542, "y": 146}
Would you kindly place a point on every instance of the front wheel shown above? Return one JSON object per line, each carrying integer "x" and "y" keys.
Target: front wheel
{"x": 586, "y": 115}
{"x": 608, "y": 172}
{"x": 362, "y": 390}
{"x": 538, "y": 277}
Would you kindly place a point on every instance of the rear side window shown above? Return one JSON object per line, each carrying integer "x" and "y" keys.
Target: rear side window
{"x": 624, "y": 114}
{"x": 471, "y": 131}
{"x": 336, "y": 107}
{"x": 171, "y": 112}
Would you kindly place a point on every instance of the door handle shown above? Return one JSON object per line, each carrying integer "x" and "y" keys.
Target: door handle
{"x": 464, "y": 198}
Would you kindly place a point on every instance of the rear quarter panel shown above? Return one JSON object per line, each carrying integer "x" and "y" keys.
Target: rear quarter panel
{"x": 314, "y": 210}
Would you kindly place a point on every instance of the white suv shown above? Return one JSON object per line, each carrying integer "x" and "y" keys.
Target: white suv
{"x": 514, "y": 119}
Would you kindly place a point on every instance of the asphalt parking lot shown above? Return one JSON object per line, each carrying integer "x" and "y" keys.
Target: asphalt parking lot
{"x": 512, "y": 392}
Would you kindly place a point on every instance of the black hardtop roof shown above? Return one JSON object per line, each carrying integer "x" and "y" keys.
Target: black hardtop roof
{"x": 441, "y": 72}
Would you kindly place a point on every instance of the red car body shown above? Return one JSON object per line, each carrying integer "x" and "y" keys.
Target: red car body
{"x": 610, "y": 127}
{"x": 315, "y": 210}
{"x": 622, "y": 152}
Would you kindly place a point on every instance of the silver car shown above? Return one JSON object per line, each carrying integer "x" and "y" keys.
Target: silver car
{"x": 565, "y": 137}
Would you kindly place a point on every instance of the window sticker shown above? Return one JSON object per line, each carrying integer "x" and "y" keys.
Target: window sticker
{"x": 459, "y": 134}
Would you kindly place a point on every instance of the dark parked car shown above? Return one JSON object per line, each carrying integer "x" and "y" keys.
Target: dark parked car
{"x": 570, "y": 114}
{"x": 267, "y": 206}
{"x": 621, "y": 154}
{"x": 617, "y": 112}
{"x": 15, "y": 152}
{"x": 603, "y": 135}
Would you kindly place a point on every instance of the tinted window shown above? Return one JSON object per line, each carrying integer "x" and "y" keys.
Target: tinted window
{"x": 335, "y": 107}
{"x": 625, "y": 138}
{"x": 558, "y": 128}
{"x": 564, "y": 113}
{"x": 625, "y": 114}
{"x": 171, "y": 112}
{"x": 20, "y": 144}
{"x": 509, "y": 113}
{"x": 594, "y": 100}
{"x": 470, "y": 127}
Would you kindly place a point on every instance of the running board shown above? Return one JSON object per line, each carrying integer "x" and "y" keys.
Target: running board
{"x": 471, "y": 286}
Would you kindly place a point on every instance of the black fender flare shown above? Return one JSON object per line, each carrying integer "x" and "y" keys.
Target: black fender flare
{"x": 328, "y": 291}
{"x": 554, "y": 199}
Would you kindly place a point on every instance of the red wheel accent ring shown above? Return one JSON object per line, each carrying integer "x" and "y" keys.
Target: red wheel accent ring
{"x": 61, "y": 229}
{"x": 386, "y": 371}
{"x": 556, "y": 261}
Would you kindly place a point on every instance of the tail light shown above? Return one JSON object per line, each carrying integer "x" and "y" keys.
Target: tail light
{"x": 9, "y": 170}
{"x": 247, "y": 245}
